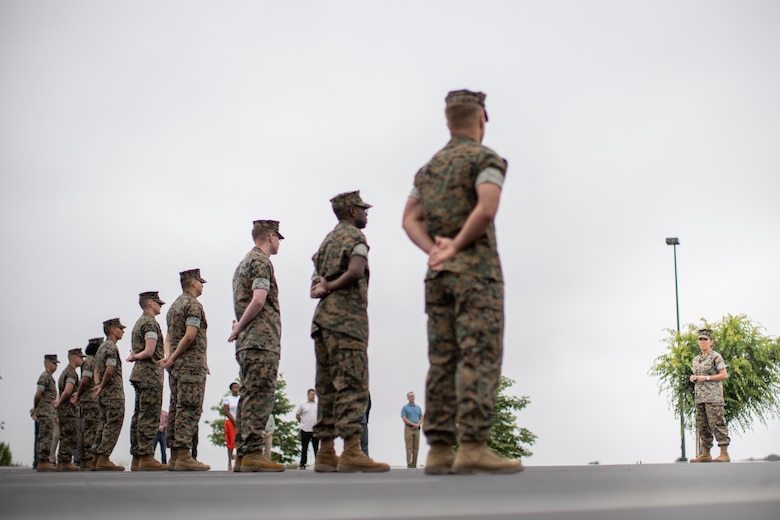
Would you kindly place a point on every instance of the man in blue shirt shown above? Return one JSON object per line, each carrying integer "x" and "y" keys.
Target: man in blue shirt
{"x": 412, "y": 416}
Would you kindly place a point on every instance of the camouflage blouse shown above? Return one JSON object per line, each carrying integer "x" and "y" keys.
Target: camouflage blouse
{"x": 708, "y": 391}
{"x": 446, "y": 187}
{"x": 187, "y": 311}
{"x": 46, "y": 385}
{"x": 108, "y": 355}
{"x": 88, "y": 370}
{"x": 345, "y": 310}
{"x": 69, "y": 375}
{"x": 147, "y": 370}
{"x": 264, "y": 331}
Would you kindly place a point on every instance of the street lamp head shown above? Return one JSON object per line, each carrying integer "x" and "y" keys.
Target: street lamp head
{"x": 673, "y": 241}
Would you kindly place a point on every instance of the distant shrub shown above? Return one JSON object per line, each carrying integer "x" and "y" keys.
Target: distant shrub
{"x": 5, "y": 454}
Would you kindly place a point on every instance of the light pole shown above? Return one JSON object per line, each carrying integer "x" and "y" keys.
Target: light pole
{"x": 674, "y": 242}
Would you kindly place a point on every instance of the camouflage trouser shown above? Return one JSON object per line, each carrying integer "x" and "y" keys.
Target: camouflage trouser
{"x": 112, "y": 415}
{"x": 465, "y": 349}
{"x": 146, "y": 418}
{"x": 186, "y": 407}
{"x": 710, "y": 421}
{"x": 45, "y": 432}
{"x": 259, "y": 369}
{"x": 341, "y": 384}
{"x": 90, "y": 422}
{"x": 69, "y": 437}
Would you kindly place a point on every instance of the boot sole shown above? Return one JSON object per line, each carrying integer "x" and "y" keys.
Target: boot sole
{"x": 359, "y": 469}
{"x": 325, "y": 468}
{"x": 255, "y": 469}
{"x": 466, "y": 470}
{"x": 438, "y": 470}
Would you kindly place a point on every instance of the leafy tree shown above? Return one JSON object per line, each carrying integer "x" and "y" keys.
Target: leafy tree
{"x": 285, "y": 434}
{"x": 5, "y": 454}
{"x": 752, "y": 390}
{"x": 506, "y": 438}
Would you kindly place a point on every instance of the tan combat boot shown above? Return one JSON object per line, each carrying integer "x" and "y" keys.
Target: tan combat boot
{"x": 353, "y": 460}
{"x": 105, "y": 464}
{"x": 704, "y": 456}
{"x": 237, "y": 464}
{"x": 66, "y": 466}
{"x": 86, "y": 465}
{"x": 185, "y": 462}
{"x": 440, "y": 459}
{"x": 326, "y": 460}
{"x": 172, "y": 458}
{"x": 257, "y": 461}
{"x": 93, "y": 465}
{"x": 476, "y": 457}
{"x": 149, "y": 463}
{"x": 44, "y": 465}
{"x": 724, "y": 454}
{"x": 134, "y": 464}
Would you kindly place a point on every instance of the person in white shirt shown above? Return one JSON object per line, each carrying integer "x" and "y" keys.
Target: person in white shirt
{"x": 306, "y": 414}
{"x": 230, "y": 409}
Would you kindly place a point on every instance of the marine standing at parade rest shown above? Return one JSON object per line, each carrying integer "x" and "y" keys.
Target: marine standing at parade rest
{"x": 187, "y": 366}
{"x": 43, "y": 413}
{"x": 709, "y": 372}
{"x": 147, "y": 379}
{"x": 449, "y": 215}
{"x": 340, "y": 332}
{"x": 110, "y": 393}
{"x": 88, "y": 406}
{"x": 257, "y": 331}
{"x": 67, "y": 412}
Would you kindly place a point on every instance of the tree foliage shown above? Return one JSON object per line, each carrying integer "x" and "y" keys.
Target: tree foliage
{"x": 506, "y": 438}
{"x": 286, "y": 447}
{"x": 752, "y": 391}
{"x": 5, "y": 454}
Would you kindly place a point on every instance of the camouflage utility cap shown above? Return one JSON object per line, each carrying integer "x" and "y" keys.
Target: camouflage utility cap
{"x": 349, "y": 199}
{"x": 271, "y": 225}
{"x": 705, "y": 333}
{"x": 192, "y": 274}
{"x": 150, "y": 295}
{"x": 76, "y": 352}
{"x": 457, "y": 97}
{"x": 113, "y": 322}
{"x": 51, "y": 357}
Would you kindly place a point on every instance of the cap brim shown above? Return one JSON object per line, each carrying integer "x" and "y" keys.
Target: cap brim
{"x": 281, "y": 237}
{"x": 704, "y": 337}
{"x": 201, "y": 280}
{"x": 160, "y": 302}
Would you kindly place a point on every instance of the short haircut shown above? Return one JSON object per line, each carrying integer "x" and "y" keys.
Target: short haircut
{"x": 230, "y": 387}
{"x": 310, "y": 390}
{"x": 462, "y": 115}
{"x": 259, "y": 232}
{"x": 187, "y": 282}
{"x": 342, "y": 212}
{"x": 106, "y": 328}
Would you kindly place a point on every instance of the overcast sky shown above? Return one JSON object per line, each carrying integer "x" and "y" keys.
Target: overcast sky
{"x": 139, "y": 139}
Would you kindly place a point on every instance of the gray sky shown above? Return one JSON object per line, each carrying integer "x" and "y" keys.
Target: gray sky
{"x": 139, "y": 139}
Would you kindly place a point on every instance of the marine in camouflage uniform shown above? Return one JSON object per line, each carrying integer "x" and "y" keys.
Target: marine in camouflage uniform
{"x": 709, "y": 370}
{"x": 147, "y": 380}
{"x": 110, "y": 391}
{"x": 188, "y": 367}
{"x": 88, "y": 405}
{"x": 257, "y": 331}
{"x": 340, "y": 333}
{"x": 43, "y": 413}
{"x": 68, "y": 412}
{"x": 449, "y": 215}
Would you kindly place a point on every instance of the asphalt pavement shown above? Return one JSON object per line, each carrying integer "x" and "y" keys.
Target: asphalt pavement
{"x": 737, "y": 491}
